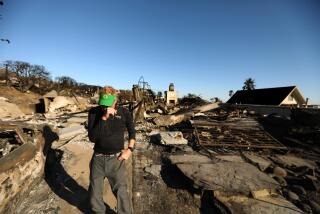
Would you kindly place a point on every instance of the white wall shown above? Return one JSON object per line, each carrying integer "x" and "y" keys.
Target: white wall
{"x": 287, "y": 101}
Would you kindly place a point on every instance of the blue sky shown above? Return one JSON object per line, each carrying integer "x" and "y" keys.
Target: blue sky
{"x": 203, "y": 47}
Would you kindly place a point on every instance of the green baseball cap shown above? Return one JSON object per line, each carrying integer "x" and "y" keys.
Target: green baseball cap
{"x": 107, "y": 99}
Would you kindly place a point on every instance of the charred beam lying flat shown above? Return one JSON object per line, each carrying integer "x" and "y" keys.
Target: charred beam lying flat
{"x": 22, "y": 163}
{"x": 169, "y": 120}
{"x": 22, "y": 154}
{"x": 16, "y": 129}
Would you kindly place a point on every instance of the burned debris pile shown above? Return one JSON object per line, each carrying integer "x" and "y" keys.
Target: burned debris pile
{"x": 235, "y": 160}
{"x": 9, "y": 141}
{"x": 237, "y": 133}
{"x": 21, "y": 164}
{"x": 192, "y": 156}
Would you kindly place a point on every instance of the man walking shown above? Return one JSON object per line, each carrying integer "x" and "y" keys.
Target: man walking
{"x": 106, "y": 127}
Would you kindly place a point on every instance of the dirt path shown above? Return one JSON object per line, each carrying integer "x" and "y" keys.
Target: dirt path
{"x": 65, "y": 188}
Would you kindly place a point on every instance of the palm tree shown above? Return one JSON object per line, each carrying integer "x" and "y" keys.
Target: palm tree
{"x": 249, "y": 84}
{"x": 231, "y": 93}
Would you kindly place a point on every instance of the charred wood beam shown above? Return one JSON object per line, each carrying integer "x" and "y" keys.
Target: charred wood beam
{"x": 23, "y": 153}
{"x": 168, "y": 120}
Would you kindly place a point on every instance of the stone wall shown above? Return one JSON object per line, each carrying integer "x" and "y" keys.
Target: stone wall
{"x": 20, "y": 170}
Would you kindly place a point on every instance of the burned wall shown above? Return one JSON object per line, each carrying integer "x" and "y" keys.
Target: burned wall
{"x": 21, "y": 168}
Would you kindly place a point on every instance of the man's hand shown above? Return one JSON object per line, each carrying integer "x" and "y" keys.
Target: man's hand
{"x": 125, "y": 154}
{"x": 110, "y": 111}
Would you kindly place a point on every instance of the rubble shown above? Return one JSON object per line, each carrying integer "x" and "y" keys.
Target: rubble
{"x": 291, "y": 195}
{"x": 228, "y": 176}
{"x": 307, "y": 117}
{"x": 69, "y": 132}
{"x": 231, "y": 158}
{"x": 59, "y": 102}
{"x": 189, "y": 158}
{"x": 257, "y": 194}
{"x": 246, "y": 205}
{"x": 166, "y": 193}
{"x": 278, "y": 171}
{"x": 168, "y": 120}
{"x": 261, "y": 162}
{"x": 217, "y": 137}
{"x": 239, "y": 133}
{"x": 77, "y": 119}
{"x": 20, "y": 168}
{"x": 292, "y": 161}
{"x": 9, "y": 110}
{"x": 315, "y": 206}
{"x": 299, "y": 190}
{"x": 193, "y": 157}
{"x": 170, "y": 138}
{"x": 51, "y": 94}
{"x": 66, "y": 134}
{"x": 153, "y": 169}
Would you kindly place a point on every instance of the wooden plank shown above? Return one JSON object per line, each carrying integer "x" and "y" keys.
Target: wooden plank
{"x": 23, "y": 153}
{"x": 169, "y": 120}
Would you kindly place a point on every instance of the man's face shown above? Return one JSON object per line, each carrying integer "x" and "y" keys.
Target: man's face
{"x": 105, "y": 108}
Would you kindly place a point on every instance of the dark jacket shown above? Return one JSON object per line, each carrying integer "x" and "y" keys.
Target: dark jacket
{"x": 108, "y": 135}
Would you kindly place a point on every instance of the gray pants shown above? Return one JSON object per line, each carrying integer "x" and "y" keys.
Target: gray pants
{"x": 102, "y": 166}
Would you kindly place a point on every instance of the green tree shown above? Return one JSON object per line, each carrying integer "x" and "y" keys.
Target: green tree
{"x": 215, "y": 99}
{"x": 66, "y": 82}
{"x": 39, "y": 74}
{"x": 21, "y": 71}
{"x": 190, "y": 95}
{"x": 27, "y": 74}
{"x": 249, "y": 84}
{"x": 231, "y": 93}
